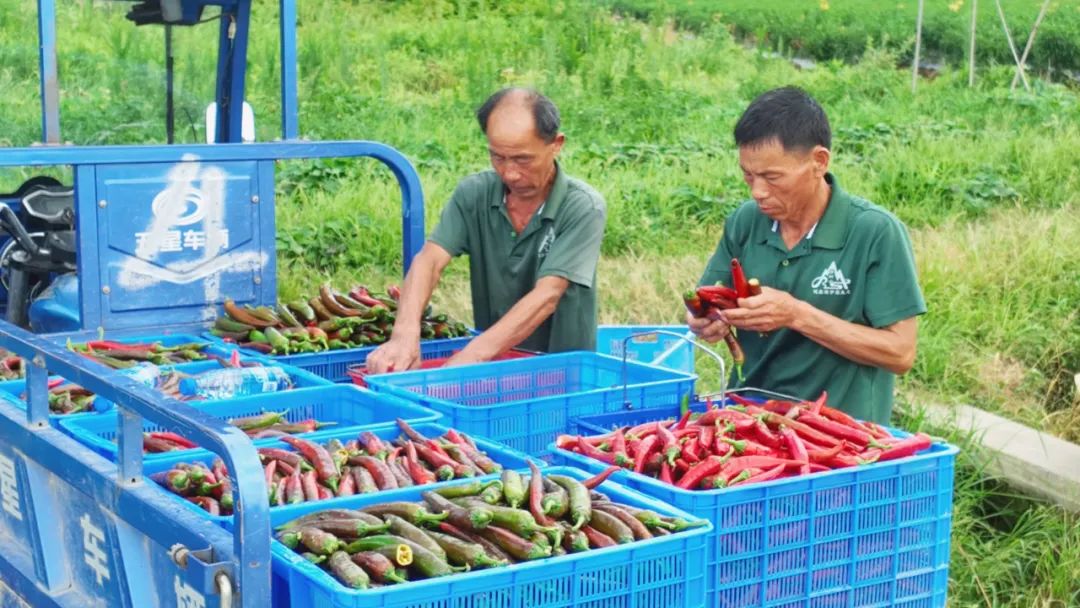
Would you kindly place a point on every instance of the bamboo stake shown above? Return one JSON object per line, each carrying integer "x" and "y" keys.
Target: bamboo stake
{"x": 918, "y": 48}
{"x": 971, "y": 51}
{"x": 1031, "y": 41}
{"x": 1012, "y": 47}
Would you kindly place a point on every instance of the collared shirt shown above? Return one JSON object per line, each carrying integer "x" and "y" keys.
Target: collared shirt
{"x": 561, "y": 239}
{"x": 856, "y": 264}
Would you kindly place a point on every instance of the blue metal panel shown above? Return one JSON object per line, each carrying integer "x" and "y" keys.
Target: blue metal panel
{"x": 232, "y": 64}
{"x": 86, "y": 257}
{"x": 50, "y": 87}
{"x": 290, "y": 122}
{"x": 173, "y": 240}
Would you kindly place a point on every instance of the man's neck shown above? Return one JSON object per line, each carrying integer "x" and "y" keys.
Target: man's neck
{"x": 795, "y": 228}
{"x": 532, "y": 203}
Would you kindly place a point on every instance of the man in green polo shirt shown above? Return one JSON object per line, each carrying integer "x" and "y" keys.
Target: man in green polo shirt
{"x": 532, "y": 234}
{"x": 840, "y": 299}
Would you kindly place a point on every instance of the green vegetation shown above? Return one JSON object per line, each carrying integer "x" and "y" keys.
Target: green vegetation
{"x": 842, "y": 29}
{"x": 985, "y": 178}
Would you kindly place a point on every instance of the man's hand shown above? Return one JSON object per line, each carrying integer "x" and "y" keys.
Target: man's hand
{"x": 399, "y": 354}
{"x": 773, "y": 309}
{"x": 712, "y": 331}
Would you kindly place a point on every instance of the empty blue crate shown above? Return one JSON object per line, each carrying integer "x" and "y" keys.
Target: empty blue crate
{"x": 343, "y": 405}
{"x": 500, "y": 454}
{"x": 333, "y": 365}
{"x": 874, "y": 535}
{"x": 525, "y": 403}
{"x": 662, "y": 572}
{"x": 642, "y": 343}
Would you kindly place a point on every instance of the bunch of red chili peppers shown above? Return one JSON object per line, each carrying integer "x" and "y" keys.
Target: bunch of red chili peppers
{"x": 312, "y": 471}
{"x": 708, "y": 300}
{"x": 747, "y": 443}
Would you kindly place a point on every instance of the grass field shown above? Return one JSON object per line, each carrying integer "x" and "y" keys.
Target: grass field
{"x": 985, "y": 178}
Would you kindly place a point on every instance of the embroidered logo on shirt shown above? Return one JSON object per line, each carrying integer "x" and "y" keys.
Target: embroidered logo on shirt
{"x": 545, "y": 243}
{"x": 831, "y": 282}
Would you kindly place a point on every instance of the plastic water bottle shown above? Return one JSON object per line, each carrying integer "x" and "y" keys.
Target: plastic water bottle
{"x": 147, "y": 373}
{"x": 236, "y": 382}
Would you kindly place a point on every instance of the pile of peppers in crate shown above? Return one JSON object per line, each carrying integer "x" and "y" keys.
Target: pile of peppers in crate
{"x": 745, "y": 444}
{"x": 67, "y": 398}
{"x": 465, "y": 527}
{"x": 328, "y": 321}
{"x": 363, "y": 465}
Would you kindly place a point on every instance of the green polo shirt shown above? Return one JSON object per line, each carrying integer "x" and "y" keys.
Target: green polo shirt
{"x": 562, "y": 239}
{"x": 856, "y": 264}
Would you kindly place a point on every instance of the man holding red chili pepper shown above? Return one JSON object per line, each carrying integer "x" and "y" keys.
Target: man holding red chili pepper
{"x": 532, "y": 234}
{"x": 840, "y": 296}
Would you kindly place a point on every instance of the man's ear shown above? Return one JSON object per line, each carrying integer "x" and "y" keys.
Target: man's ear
{"x": 558, "y": 142}
{"x": 821, "y": 157}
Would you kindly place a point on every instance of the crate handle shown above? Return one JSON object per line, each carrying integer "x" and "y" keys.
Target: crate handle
{"x": 687, "y": 337}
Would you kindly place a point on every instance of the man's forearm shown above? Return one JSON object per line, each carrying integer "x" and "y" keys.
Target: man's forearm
{"x": 891, "y": 348}
{"x": 416, "y": 292}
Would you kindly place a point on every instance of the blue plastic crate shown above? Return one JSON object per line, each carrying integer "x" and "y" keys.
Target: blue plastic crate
{"x": 348, "y": 406}
{"x": 15, "y": 390}
{"x": 509, "y": 459}
{"x": 874, "y": 535}
{"x": 525, "y": 403}
{"x": 663, "y": 572}
{"x": 333, "y": 364}
{"x": 658, "y": 349}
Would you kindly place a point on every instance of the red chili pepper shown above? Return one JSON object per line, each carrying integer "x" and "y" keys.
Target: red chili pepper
{"x": 318, "y": 456}
{"x": 712, "y": 293}
{"x": 741, "y": 463}
{"x": 269, "y": 471}
{"x": 721, "y": 447}
{"x": 618, "y": 442}
{"x": 645, "y": 448}
{"x": 310, "y": 485}
{"x": 796, "y": 447}
{"x": 803, "y": 429}
{"x": 705, "y": 439}
{"x": 419, "y": 474}
{"x": 823, "y": 456}
{"x": 693, "y": 304}
{"x": 768, "y": 475}
{"x": 767, "y": 437}
{"x": 643, "y": 430}
{"x": 818, "y": 403}
{"x": 681, "y": 424}
{"x": 294, "y": 489}
{"x": 693, "y": 477}
{"x": 738, "y": 279}
{"x": 587, "y": 449}
{"x": 439, "y": 459}
{"x": 669, "y": 447}
{"x": 600, "y": 477}
{"x": 681, "y": 466}
{"x": 347, "y": 487}
{"x": 842, "y": 431}
{"x": 906, "y": 447}
{"x": 373, "y": 445}
{"x": 665, "y": 472}
{"x": 749, "y": 447}
{"x": 536, "y": 497}
{"x": 173, "y": 437}
{"x": 690, "y": 452}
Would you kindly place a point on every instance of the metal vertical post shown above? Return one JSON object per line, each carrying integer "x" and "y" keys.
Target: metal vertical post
{"x": 232, "y": 64}
{"x": 50, "y": 87}
{"x": 290, "y": 120}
